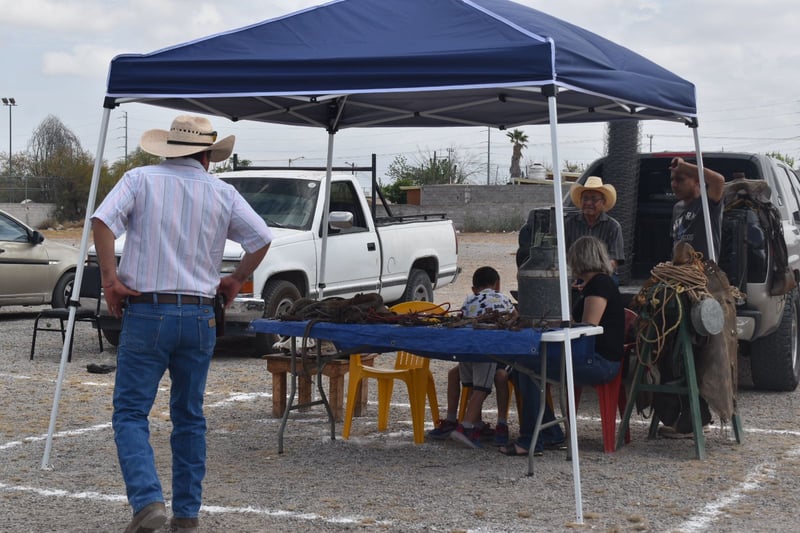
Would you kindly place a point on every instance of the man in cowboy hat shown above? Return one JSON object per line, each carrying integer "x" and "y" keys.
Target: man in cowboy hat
{"x": 688, "y": 222}
{"x": 176, "y": 217}
{"x": 595, "y": 199}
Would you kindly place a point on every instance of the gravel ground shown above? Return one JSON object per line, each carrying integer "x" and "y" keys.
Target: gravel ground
{"x": 374, "y": 481}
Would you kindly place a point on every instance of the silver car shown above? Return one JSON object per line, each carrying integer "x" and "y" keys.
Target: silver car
{"x": 33, "y": 272}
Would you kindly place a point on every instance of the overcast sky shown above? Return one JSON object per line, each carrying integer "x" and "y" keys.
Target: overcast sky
{"x": 742, "y": 58}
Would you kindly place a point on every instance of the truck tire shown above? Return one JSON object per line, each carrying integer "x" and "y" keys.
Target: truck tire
{"x": 419, "y": 287}
{"x": 774, "y": 360}
{"x": 63, "y": 290}
{"x": 279, "y": 295}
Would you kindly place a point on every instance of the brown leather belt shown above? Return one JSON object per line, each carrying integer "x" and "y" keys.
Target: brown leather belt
{"x": 166, "y": 298}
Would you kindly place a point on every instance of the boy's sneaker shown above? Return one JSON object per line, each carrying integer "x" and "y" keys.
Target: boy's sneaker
{"x": 443, "y": 430}
{"x": 469, "y": 437}
{"x": 501, "y": 435}
{"x": 487, "y": 433}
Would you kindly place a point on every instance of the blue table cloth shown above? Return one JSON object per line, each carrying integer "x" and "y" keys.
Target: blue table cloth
{"x": 465, "y": 344}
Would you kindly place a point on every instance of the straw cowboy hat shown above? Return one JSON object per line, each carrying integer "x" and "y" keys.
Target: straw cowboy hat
{"x": 188, "y": 135}
{"x": 593, "y": 183}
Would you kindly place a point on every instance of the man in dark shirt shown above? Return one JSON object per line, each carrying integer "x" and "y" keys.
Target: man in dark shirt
{"x": 688, "y": 222}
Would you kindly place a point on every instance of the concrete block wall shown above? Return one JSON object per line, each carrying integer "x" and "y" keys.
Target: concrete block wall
{"x": 33, "y": 214}
{"x": 475, "y": 208}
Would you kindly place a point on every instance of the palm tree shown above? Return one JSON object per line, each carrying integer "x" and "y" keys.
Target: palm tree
{"x": 519, "y": 139}
{"x": 621, "y": 170}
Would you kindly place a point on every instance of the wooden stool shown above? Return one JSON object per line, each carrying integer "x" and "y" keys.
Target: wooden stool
{"x": 279, "y": 365}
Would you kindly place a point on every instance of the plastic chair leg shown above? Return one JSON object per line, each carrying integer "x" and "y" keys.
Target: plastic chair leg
{"x": 385, "y": 387}
{"x": 417, "y": 392}
{"x": 353, "y": 386}
{"x": 462, "y": 403}
{"x": 608, "y": 395}
{"x": 433, "y": 401}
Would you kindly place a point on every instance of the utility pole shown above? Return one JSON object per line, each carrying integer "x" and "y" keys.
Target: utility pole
{"x": 650, "y": 136}
{"x": 450, "y": 165}
{"x": 488, "y": 155}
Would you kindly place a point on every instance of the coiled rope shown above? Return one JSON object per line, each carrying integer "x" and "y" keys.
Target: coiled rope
{"x": 668, "y": 282}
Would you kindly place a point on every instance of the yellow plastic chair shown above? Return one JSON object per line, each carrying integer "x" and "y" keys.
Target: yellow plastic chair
{"x": 414, "y": 370}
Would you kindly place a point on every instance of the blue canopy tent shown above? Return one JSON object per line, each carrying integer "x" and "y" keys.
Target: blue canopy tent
{"x": 404, "y": 63}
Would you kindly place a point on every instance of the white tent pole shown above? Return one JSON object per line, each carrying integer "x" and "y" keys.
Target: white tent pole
{"x": 326, "y": 203}
{"x": 565, "y": 311}
{"x": 712, "y": 253}
{"x": 76, "y": 286}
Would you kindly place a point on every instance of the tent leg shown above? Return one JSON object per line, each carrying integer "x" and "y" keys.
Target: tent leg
{"x": 76, "y": 289}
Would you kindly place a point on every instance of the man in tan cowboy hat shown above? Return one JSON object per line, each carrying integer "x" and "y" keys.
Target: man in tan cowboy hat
{"x": 176, "y": 217}
{"x": 595, "y": 199}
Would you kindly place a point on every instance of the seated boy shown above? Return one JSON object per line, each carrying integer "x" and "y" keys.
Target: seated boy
{"x": 485, "y": 297}
{"x": 448, "y": 424}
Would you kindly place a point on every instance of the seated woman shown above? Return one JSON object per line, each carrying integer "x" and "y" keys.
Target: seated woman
{"x": 600, "y": 304}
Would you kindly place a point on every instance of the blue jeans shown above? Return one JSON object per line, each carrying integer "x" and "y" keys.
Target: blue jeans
{"x": 155, "y": 338}
{"x": 530, "y": 394}
{"x": 594, "y": 369}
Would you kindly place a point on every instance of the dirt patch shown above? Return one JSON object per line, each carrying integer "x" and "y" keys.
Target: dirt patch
{"x": 67, "y": 235}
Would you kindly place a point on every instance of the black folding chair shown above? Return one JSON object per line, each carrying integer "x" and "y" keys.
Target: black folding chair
{"x": 91, "y": 287}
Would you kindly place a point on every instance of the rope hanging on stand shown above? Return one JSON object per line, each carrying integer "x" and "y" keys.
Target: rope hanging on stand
{"x": 668, "y": 281}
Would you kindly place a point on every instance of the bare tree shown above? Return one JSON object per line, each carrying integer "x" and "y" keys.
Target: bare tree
{"x": 60, "y": 169}
{"x": 51, "y": 142}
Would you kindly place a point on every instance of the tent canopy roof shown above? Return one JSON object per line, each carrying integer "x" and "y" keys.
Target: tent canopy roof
{"x": 389, "y": 63}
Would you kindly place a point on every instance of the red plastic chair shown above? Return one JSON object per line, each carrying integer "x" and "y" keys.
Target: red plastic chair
{"x": 612, "y": 395}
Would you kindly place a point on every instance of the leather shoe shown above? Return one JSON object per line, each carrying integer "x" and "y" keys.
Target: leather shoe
{"x": 184, "y": 525}
{"x": 149, "y": 519}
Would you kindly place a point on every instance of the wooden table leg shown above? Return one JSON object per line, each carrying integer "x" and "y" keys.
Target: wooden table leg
{"x": 278, "y": 394}
{"x": 304, "y": 386}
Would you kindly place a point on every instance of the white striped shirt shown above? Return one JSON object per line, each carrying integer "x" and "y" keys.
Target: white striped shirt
{"x": 176, "y": 217}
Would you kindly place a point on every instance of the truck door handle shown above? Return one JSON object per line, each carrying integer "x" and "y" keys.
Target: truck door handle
{"x": 371, "y": 246}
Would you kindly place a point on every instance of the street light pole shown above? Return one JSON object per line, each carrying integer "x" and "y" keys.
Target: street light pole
{"x": 295, "y": 159}
{"x": 10, "y": 102}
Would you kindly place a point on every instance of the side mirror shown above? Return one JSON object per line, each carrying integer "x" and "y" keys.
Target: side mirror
{"x": 36, "y": 237}
{"x": 340, "y": 220}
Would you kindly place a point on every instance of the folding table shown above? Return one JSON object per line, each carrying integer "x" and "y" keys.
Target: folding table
{"x": 525, "y": 350}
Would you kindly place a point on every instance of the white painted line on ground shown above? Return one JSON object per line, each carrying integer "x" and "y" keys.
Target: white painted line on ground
{"x": 15, "y": 376}
{"x": 18, "y": 376}
{"x": 96, "y": 496}
{"x": 240, "y": 397}
{"x": 69, "y": 433}
{"x": 312, "y": 517}
{"x": 757, "y": 477}
{"x": 210, "y": 509}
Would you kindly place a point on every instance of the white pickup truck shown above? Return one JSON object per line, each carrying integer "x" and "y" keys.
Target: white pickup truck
{"x": 401, "y": 258}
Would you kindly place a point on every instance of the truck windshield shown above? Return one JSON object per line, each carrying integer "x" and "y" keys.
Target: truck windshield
{"x": 281, "y": 202}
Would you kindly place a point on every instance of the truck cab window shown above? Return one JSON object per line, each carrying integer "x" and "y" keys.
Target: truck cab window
{"x": 344, "y": 198}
